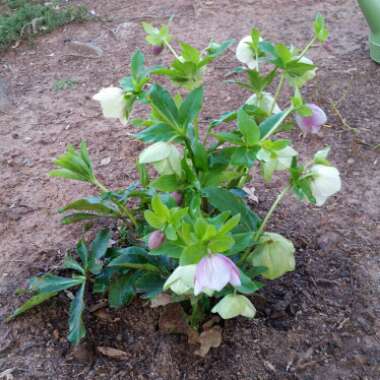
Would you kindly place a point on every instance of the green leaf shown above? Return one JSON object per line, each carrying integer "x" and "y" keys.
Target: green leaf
{"x": 221, "y": 244}
{"x": 191, "y": 107}
{"x": 159, "y": 208}
{"x": 320, "y": 29}
{"x": 200, "y": 156}
{"x": 100, "y": 244}
{"x": 269, "y": 125}
{"x": 94, "y": 204}
{"x": 121, "y": 290}
{"x": 134, "y": 258}
{"x": 150, "y": 284}
{"x": 76, "y": 326}
{"x": 169, "y": 249}
{"x": 214, "y": 49}
{"x": 224, "y": 200}
{"x": 153, "y": 219}
{"x": 159, "y": 132}
{"x": 164, "y": 104}
{"x": 230, "y": 224}
{"x": 78, "y": 217}
{"x": 242, "y": 242}
{"x": 190, "y": 53}
{"x": 248, "y": 286}
{"x": 71, "y": 263}
{"x": 248, "y": 128}
{"x": 192, "y": 254}
{"x": 30, "y": 303}
{"x": 137, "y": 65}
{"x": 166, "y": 183}
{"x": 50, "y": 283}
{"x": 83, "y": 253}
{"x": 74, "y": 165}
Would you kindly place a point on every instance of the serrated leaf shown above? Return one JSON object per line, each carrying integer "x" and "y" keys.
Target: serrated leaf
{"x": 191, "y": 107}
{"x": 166, "y": 183}
{"x": 120, "y": 291}
{"x": 30, "y": 303}
{"x": 50, "y": 283}
{"x": 76, "y": 326}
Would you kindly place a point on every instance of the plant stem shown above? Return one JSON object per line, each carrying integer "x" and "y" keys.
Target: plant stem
{"x": 170, "y": 47}
{"x": 124, "y": 208}
{"x": 270, "y": 212}
{"x": 277, "y": 93}
{"x": 264, "y": 222}
{"x": 306, "y": 48}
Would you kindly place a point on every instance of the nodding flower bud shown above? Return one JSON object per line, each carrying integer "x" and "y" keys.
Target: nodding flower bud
{"x": 156, "y": 238}
{"x": 157, "y": 49}
{"x": 178, "y": 197}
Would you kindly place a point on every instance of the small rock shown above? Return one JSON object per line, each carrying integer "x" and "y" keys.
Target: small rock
{"x": 105, "y": 161}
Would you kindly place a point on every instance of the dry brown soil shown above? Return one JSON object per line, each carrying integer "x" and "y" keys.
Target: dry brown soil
{"x": 320, "y": 322}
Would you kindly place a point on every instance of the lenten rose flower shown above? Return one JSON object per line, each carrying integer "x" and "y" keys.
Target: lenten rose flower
{"x": 233, "y": 305}
{"x": 324, "y": 183}
{"x": 113, "y": 103}
{"x": 314, "y": 122}
{"x": 214, "y": 272}
{"x": 181, "y": 281}
{"x": 265, "y": 102}
{"x": 245, "y": 54}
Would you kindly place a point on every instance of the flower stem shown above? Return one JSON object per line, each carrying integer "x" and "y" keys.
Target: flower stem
{"x": 306, "y": 48}
{"x": 277, "y": 93}
{"x": 170, "y": 47}
{"x": 264, "y": 222}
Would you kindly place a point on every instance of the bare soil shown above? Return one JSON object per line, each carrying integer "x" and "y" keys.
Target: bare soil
{"x": 320, "y": 322}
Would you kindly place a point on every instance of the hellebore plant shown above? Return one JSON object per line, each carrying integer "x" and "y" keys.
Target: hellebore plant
{"x": 185, "y": 228}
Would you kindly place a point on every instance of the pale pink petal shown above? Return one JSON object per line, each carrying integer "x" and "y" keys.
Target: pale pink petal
{"x": 314, "y": 122}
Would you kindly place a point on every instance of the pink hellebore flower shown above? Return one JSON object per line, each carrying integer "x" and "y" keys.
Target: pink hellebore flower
{"x": 214, "y": 272}
{"x": 314, "y": 122}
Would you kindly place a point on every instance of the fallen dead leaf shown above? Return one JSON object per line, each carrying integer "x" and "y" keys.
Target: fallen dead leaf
{"x": 161, "y": 300}
{"x": 209, "y": 339}
{"x": 111, "y": 352}
{"x": 250, "y": 191}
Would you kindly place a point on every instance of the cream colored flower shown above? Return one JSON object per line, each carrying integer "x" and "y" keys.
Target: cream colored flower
{"x": 324, "y": 183}
{"x": 265, "y": 102}
{"x": 164, "y": 156}
{"x": 245, "y": 54}
{"x": 234, "y": 305}
{"x": 275, "y": 253}
{"x": 181, "y": 281}
{"x": 113, "y": 103}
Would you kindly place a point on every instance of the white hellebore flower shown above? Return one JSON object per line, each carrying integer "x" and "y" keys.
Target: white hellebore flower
{"x": 233, "y": 305}
{"x": 282, "y": 159}
{"x": 275, "y": 253}
{"x": 113, "y": 103}
{"x": 265, "y": 102}
{"x": 325, "y": 182}
{"x": 181, "y": 281}
{"x": 245, "y": 54}
{"x": 164, "y": 156}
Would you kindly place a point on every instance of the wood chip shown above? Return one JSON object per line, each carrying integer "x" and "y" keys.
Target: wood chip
{"x": 111, "y": 352}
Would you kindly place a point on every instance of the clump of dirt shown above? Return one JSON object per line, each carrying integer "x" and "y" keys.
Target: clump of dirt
{"x": 316, "y": 323}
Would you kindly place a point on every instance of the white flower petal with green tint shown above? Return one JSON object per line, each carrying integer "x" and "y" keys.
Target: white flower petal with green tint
{"x": 155, "y": 152}
{"x": 245, "y": 54}
{"x": 181, "y": 281}
{"x": 234, "y": 305}
{"x": 275, "y": 253}
{"x": 113, "y": 103}
{"x": 265, "y": 102}
{"x": 324, "y": 183}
